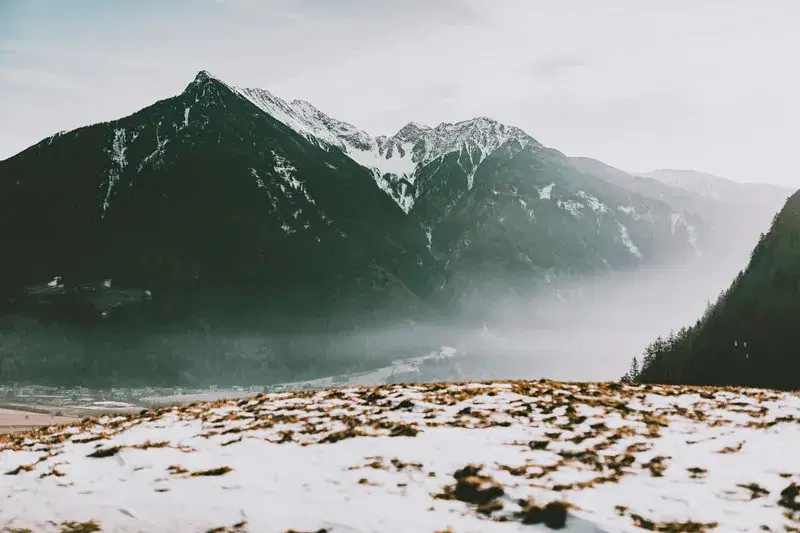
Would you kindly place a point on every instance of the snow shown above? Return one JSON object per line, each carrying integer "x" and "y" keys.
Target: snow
{"x": 593, "y": 203}
{"x": 186, "y": 116}
{"x": 625, "y": 239}
{"x": 154, "y": 157}
{"x": 286, "y": 171}
{"x": 349, "y": 460}
{"x": 546, "y": 192}
{"x": 632, "y": 212}
{"x": 393, "y": 161}
{"x": 573, "y": 207}
{"x": 259, "y": 182}
{"x": 107, "y": 283}
{"x": 118, "y": 163}
{"x": 55, "y": 283}
{"x": 55, "y": 136}
{"x": 679, "y": 219}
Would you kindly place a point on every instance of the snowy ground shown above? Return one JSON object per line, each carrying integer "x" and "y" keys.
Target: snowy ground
{"x": 492, "y": 457}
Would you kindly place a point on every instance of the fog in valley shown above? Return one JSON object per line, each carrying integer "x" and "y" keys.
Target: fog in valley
{"x": 585, "y": 330}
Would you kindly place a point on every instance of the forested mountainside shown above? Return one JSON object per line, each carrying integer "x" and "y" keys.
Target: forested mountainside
{"x": 230, "y": 214}
{"x": 750, "y": 335}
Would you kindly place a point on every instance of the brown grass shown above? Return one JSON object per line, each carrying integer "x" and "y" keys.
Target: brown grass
{"x": 219, "y": 471}
{"x": 80, "y": 527}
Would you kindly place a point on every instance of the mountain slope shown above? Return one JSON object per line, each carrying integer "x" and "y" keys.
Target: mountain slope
{"x": 477, "y": 186}
{"x": 431, "y": 174}
{"x": 750, "y": 335}
{"x": 718, "y": 201}
{"x": 232, "y": 198}
{"x": 494, "y": 457}
{"x": 721, "y": 189}
{"x": 531, "y": 217}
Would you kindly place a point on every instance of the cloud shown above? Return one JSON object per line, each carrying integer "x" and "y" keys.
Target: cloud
{"x": 551, "y": 67}
{"x": 381, "y": 12}
{"x": 707, "y": 85}
{"x": 65, "y": 56}
{"x": 39, "y": 80}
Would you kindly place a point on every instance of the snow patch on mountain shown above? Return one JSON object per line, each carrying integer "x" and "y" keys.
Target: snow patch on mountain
{"x": 55, "y": 136}
{"x": 429, "y": 237}
{"x": 393, "y": 160}
{"x": 677, "y": 219}
{"x": 154, "y": 157}
{"x": 396, "y": 160}
{"x": 632, "y": 212}
{"x": 546, "y": 192}
{"x": 285, "y": 170}
{"x": 259, "y": 181}
{"x": 119, "y": 162}
{"x": 625, "y": 239}
{"x": 573, "y": 207}
{"x": 593, "y": 203}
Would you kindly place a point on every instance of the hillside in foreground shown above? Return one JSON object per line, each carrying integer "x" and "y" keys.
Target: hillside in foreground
{"x": 490, "y": 457}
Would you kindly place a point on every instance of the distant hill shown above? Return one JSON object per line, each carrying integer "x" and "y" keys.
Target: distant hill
{"x": 734, "y": 214}
{"x": 750, "y": 336}
{"x": 720, "y": 189}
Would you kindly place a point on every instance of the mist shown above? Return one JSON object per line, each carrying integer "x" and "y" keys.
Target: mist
{"x": 586, "y": 330}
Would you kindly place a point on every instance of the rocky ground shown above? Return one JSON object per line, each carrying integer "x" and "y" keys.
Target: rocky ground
{"x": 456, "y": 457}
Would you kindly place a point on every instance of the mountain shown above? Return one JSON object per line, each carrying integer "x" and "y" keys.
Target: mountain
{"x": 749, "y": 336}
{"x": 472, "y": 456}
{"x": 722, "y": 189}
{"x": 720, "y": 202}
{"x": 225, "y": 210}
{"x": 496, "y": 203}
{"x": 476, "y": 187}
{"x": 203, "y": 193}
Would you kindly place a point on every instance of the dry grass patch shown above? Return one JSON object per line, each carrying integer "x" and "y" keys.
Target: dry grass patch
{"x": 79, "y": 527}
{"x": 21, "y": 468}
{"x": 673, "y": 527}
{"x": 219, "y": 471}
{"x": 105, "y": 452}
{"x": 239, "y": 527}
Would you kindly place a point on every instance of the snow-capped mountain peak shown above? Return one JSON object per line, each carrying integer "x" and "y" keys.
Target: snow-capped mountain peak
{"x": 393, "y": 160}
{"x": 204, "y": 76}
{"x": 412, "y": 131}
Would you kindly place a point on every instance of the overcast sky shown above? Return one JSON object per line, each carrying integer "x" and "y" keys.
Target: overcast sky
{"x": 711, "y": 85}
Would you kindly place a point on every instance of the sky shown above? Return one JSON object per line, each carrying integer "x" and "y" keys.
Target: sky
{"x": 710, "y": 85}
